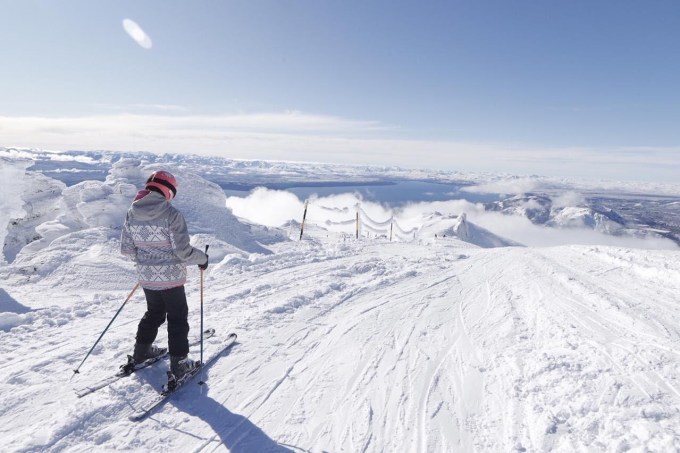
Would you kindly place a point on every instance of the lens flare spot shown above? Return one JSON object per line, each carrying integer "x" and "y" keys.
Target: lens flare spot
{"x": 137, "y": 34}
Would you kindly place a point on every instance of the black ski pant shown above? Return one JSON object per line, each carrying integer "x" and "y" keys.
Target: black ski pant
{"x": 170, "y": 303}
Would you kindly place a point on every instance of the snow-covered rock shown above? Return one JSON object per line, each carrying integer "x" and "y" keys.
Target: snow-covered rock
{"x": 12, "y": 179}
{"x": 579, "y": 217}
{"x": 534, "y": 207}
{"x": 39, "y": 199}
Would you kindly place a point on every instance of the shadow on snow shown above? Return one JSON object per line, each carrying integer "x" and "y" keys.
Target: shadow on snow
{"x": 234, "y": 431}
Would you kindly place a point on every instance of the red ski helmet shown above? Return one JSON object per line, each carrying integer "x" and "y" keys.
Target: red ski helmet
{"x": 163, "y": 181}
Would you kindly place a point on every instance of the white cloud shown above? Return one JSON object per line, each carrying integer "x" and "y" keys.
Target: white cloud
{"x": 510, "y": 186}
{"x": 531, "y": 204}
{"x": 522, "y": 230}
{"x": 267, "y": 207}
{"x": 179, "y": 126}
{"x": 274, "y": 208}
{"x": 272, "y": 136}
{"x": 145, "y": 108}
{"x": 568, "y": 199}
{"x": 297, "y": 136}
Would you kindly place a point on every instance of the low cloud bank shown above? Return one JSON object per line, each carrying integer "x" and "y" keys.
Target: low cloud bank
{"x": 511, "y": 186}
{"x": 275, "y": 208}
{"x": 300, "y": 136}
{"x": 267, "y": 207}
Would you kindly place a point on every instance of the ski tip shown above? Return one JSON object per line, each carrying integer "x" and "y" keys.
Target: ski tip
{"x": 232, "y": 335}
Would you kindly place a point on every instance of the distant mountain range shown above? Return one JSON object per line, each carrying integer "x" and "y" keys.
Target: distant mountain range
{"x": 540, "y": 209}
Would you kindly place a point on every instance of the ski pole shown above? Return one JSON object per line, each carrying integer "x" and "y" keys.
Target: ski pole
{"x": 201, "y": 383}
{"x": 107, "y": 328}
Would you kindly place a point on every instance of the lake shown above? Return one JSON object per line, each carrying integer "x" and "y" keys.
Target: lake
{"x": 395, "y": 193}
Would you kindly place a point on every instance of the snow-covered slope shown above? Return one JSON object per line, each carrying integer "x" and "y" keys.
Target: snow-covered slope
{"x": 359, "y": 346}
{"x": 344, "y": 345}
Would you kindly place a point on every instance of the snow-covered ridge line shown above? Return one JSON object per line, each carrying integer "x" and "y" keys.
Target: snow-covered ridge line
{"x": 255, "y": 172}
{"x": 95, "y": 166}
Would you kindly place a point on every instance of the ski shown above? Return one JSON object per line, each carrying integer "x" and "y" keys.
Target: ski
{"x": 176, "y": 384}
{"x": 130, "y": 368}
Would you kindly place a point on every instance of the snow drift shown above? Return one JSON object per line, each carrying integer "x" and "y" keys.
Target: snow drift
{"x": 459, "y": 227}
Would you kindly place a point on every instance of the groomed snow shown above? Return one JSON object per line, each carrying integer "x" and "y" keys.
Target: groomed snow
{"x": 344, "y": 344}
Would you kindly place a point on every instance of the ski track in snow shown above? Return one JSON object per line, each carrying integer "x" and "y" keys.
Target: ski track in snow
{"x": 376, "y": 347}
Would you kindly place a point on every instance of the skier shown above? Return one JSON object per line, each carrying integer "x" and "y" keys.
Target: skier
{"x": 155, "y": 237}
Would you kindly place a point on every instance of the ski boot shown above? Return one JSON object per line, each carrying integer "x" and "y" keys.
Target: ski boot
{"x": 145, "y": 352}
{"x": 142, "y": 353}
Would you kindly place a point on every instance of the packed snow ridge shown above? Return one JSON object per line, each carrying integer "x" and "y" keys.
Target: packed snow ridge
{"x": 457, "y": 339}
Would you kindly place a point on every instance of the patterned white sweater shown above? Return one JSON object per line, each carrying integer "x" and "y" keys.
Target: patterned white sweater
{"x": 155, "y": 237}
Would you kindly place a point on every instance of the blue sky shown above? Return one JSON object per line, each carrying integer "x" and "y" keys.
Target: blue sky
{"x": 569, "y": 88}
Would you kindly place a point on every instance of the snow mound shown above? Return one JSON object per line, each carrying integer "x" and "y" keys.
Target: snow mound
{"x": 11, "y": 311}
{"x": 474, "y": 234}
{"x": 55, "y": 211}
{"x": 203, "y": 204}
{"x": 460, "y": 228}
{"x": 127, "y": 170}
{"x": 66, "y": 233}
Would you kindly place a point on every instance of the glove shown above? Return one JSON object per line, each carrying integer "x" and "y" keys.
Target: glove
{"x": 204, "y": 266}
